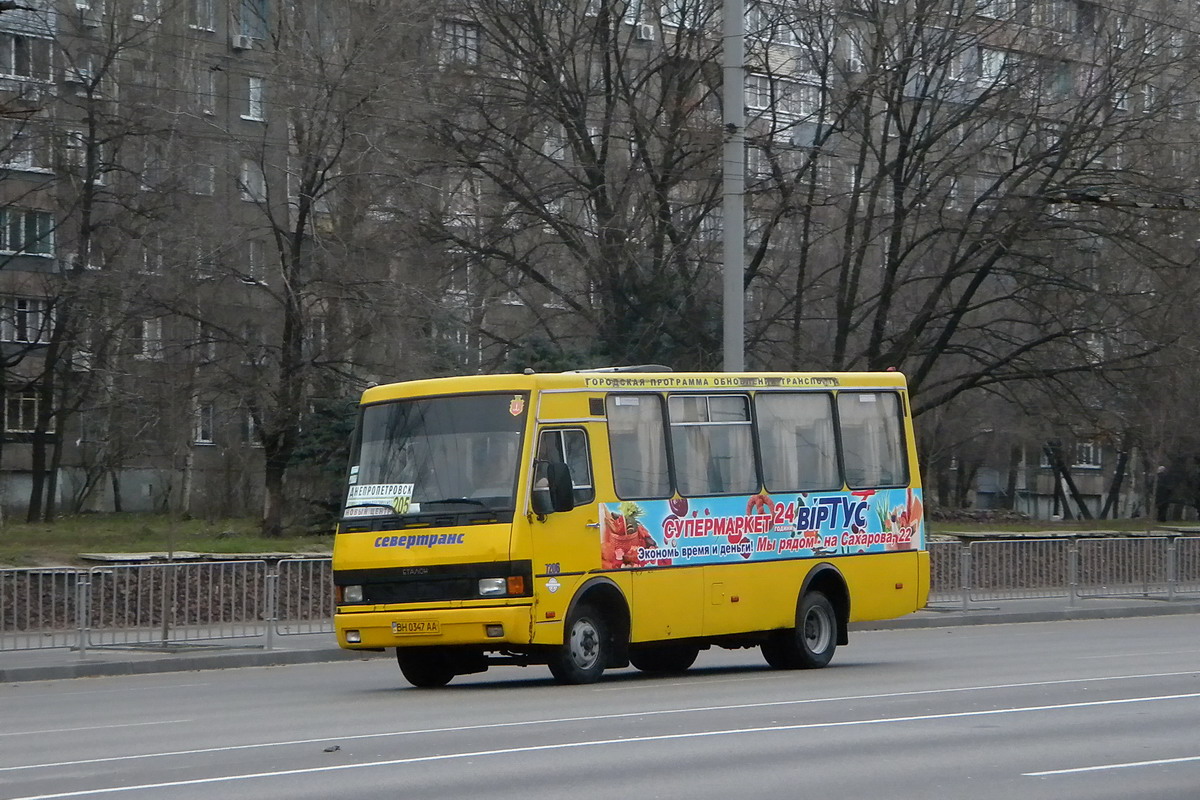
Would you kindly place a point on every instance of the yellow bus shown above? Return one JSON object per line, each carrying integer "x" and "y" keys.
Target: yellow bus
{"x": 601, "y": 518}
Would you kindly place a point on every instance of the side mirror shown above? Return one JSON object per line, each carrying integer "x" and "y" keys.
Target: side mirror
{"x": 562, "y": 491}
{"x": 558, "y": 493}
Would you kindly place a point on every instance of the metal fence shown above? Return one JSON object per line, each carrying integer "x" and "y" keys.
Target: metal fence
{"x": 165, "y": 605}
{"x": 194, "y": 604}
{"x": 1161, "y": 567}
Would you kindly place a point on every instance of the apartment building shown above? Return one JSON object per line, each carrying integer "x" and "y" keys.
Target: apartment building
{"x": 220, "y": 214}
{"x": 161, "y": 273}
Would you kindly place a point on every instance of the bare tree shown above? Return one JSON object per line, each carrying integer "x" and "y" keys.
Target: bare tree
{"x": 319, "y": 84}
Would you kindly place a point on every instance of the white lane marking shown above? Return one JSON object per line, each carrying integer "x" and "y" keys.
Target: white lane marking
{"x": 97, "y": 727}
{"x": 602, "y": 743}
{"x": 589, "y": 718}
{"x": 1140, "y": 655}
{"x": 1102, "y": 767}
{"x": 170, "y": 687}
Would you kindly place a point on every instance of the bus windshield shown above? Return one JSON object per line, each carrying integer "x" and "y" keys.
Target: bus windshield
{"x": 433, "y": 455}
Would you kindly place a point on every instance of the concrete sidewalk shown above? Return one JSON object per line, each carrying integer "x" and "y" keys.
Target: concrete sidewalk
{"x": 60, "y": 663}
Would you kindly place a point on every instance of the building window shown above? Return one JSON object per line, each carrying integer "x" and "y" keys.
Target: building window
{"x": 681, "y": 13}
{"x": 200, "y": 15}
{"x": 992, "y": 65}
{"x": 206, "y": 342}
{"x": 1087, "y": 455}
{"x": 205, "y": 260}
{"x": 251, "y": 434}
{"x": 997, "y": 9}
{"x": 766, "y": 23}
{"x": 800, "y": 99}
{"x": 202, "y": 179}
{"x": 146, "y": 339}
{"x": 253, "y": 18}
{"x": 28, "y": 232}
{"x": 25, "y": 320}
{"x": 75, "y": 149}
{"x": 554, "y": 146}
{"x": 205, "y": 423}
{"x": 758, "y": 92}
{"x": 24, "y": 56}
{"x": 20, "y": 410}
{"x": 252, "y": 183}
{"x": 204, "y": 90}
{"x": 631, "y": 13}
{"x": 458, "y": 42}
{"x": 156, "y": 167}
{"x": 1150, "y": 96}
{"x": 255, "y": 108}
{"x": 150, "y": 256}
{"x": 462, "y": 200}
{"x": 146, "y": 10}
{"x": 23, "y": 147}
{"x": 712, "y": 224}
{"x": 255, "y": 261}
{"x": 254, "y": 344}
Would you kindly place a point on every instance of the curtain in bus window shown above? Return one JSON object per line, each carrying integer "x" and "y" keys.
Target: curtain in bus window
{"x": 638, "y": 446}
{"x": 872, "y": 439}
{"x": 712, "y": 445}
{"x": 796, "y": 438}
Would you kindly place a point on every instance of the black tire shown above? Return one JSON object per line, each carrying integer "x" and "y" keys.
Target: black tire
{"x": 585, "y": 650}
{"x": 664, "y": 658}
{"x": 811, "y": 644}
{"x": 425, "y": 668}
{"x": 776, "y": 650}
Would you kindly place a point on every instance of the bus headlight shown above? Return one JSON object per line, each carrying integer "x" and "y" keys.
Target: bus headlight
{"x": 492, "y": 587}
{"x": 352, "y": 594}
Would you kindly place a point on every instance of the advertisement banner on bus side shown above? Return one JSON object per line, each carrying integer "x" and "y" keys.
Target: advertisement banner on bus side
{"x": 716, "y": 530}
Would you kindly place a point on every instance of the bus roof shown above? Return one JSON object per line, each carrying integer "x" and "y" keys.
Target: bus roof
{"x": 602, "y": 381}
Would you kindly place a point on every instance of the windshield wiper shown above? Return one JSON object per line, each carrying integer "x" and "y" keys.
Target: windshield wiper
{"x": 452, "y": 500}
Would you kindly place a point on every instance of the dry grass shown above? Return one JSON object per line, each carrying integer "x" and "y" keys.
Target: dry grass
{"x": 61, "y": 542}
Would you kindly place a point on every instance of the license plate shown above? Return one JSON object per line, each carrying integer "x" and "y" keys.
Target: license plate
{"x": 413, "y": 627}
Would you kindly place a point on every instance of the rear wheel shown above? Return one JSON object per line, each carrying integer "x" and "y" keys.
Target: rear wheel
{"x": 664, "y": 658}
{"x": 585, "y": 650}
{"x": 810, "y": 645}
{"x": 425, "y": 668}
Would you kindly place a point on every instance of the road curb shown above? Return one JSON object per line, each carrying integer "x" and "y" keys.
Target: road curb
{"x": 101, "y": 668}
{"x": 992, "y": 616}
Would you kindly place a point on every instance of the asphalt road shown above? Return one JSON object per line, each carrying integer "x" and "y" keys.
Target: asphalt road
{"x": 1089, "y": 709}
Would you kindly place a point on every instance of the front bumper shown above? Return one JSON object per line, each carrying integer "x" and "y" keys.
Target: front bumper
{"x": 454, "y": 626}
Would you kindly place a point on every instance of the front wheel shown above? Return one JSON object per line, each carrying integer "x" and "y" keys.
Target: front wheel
{"x": 425, "y": 668}
{"x": 584, "y": 652}
{"x": 811, "y": 643}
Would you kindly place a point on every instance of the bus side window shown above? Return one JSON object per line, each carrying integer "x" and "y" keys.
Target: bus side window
{"x": 872, "y": 437}
{"x": 712, "y": 444}
{"x": 797, "y": 441}
{"x": 638, "y": 446}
